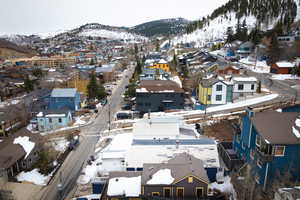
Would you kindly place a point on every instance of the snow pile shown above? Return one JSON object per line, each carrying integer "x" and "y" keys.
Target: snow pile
{"x": 61, "y": 144}
{"x": 161, "y": 177}
{"x": 284, "y": 77}
{"x": 279, "y": 110}
{"x": 90, "y": 171}
{"x": 33, "y": 176}
{"x": 177, "y": 80}
{"x": 129, "y": 187}
{"x": 226, "y": 187}
{"x": 79, "y": 121}
{"x": 25, "y": 143}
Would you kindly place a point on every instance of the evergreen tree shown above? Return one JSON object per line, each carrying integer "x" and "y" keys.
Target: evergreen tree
{"x": 274, "y": 50}
{"x": 136, "y": 49}
{"x": 95, "y": 91}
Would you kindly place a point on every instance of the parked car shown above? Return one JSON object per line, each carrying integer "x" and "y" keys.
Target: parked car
{"x": 74, "y": 143}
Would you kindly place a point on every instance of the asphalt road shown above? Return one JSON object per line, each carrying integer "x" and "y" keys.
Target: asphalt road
{"x": 76, "y": 160}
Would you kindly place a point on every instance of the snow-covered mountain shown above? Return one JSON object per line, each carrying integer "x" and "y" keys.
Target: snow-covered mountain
{"x": 256, "y": 13}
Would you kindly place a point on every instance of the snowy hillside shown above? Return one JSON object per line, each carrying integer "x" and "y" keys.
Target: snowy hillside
{"x": 216, "y": 29}
{"x": 112, "y": 34}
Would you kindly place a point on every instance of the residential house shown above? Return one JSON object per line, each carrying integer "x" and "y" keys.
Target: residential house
{"x": 282, "y": 67}
{"x": 80, "y": 82}
{"x": 182, "y": 177}
{"x": 154, "y": 74}
{"x": 162, "y": 64}
{"x": 64, "y": 98}
{"x": 53, "y": 119}
{"x": 11, "y": 119}
{"x": 159, "y": 95}
{"x": 269, "y": 142}
{"x": 228, "y": 70}
{"x": 286, "y": 40}
{"x": 215, "y": 91}
{"x": 245, "y": 49}
{"x": 19, "y": 152}
{"x": 243, "y": 86}
{"x": 106, "y": 73}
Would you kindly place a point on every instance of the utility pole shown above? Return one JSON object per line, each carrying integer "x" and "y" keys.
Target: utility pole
{"x": 109, "y": 121}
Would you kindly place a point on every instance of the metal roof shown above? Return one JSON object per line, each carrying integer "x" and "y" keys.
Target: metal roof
{"x": 64, "y": 92}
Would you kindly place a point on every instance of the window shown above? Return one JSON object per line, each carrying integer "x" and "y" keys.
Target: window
{"x": 219, "y": 87}
{"x": 252, "y": 86}
{"x": 190, "y": 179}
{"x": 279, "y": 150}
{"x": 218, "y": 97}
{"x": 257, "y": 141}
{"x": 259, "y": 163}
{"x": 180, "y": 192}
{"x": 240, "y": 87}
{"x": 208, "y": 97}
{"x": 199, "y": 192}
{"x": 59, "y": 120}
{"x": 50, "y": 120}
{"x": 155, "y": 194}
{"x": 167, "y": 192}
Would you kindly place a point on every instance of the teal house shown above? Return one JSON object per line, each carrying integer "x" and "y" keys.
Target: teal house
{"x": 53, "y": 119}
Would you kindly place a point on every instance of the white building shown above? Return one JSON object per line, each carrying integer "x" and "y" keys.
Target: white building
{"x": 244, "y": 86}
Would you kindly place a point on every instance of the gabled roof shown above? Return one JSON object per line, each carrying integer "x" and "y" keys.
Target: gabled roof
{"x": 64, "y": 92}
{"x": 277, "y": 127}
{"x": 181, "y": 165}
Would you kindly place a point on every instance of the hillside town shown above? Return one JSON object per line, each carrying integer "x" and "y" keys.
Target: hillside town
{"x": 107, "y": 113}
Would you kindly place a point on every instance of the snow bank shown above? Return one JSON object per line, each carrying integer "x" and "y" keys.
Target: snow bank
{"x": 79, "y": 121}
{"x": 33, "y": 176}
{"x": 130, "y": 187}
{"x": 60, "y": 145}
{"x": 284, "y": 77}
{"x": 161, "y": 177}
{"x": 226, "y": 187}
{"x": 25, "y": 143}
{"x": 90, "y": 171}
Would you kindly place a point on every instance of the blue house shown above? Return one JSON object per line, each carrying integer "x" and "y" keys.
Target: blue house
{"x": 270, "y": 143}
{"x": 64, "y": 98}
{"x": 53, "y": 119}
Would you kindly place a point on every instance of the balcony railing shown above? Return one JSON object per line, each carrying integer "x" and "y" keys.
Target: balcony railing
{"x": 263, "y": 156}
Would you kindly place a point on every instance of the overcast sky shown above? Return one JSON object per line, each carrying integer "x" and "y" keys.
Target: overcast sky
{"x": 42, "y": 16}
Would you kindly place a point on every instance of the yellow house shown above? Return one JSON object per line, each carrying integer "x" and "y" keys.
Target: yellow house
{"x": 79, "y": 82}
{"x": 162, "y": 64}
{"x": 204, "y": 93}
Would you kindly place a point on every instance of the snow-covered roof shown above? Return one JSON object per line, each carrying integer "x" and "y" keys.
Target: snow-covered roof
{"x": 245, "y": 79}
{"x": 135, "y": 157}
{"x": 285, "y": 64}
{"x": 33, "y": 176}
{"x": 161, "y": 177}
{"x": 25, "y": 143}
{"x": 162, "y": 61}
{"x": 129, "y": 187}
